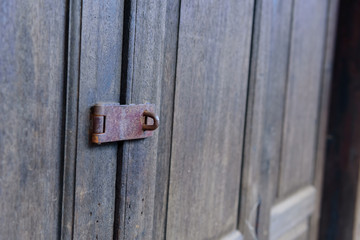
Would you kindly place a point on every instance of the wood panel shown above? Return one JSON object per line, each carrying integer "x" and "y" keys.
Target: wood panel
{"x": 269, "y": 63}
{"x": 99, "y": 80}
{"x": 71, "y": 105}
{"x": 323, "y": 113}
{"x": 210, "y": 97}
{"x": 275, "y": 26}
{"x": 32, "y": 46}
{"x": 303, "y": 94}
{"x": 234, "y": 235}
{"x": 299, "y": 232}
{"x": 142, "y": 83}
{"x": 291, "y": 212}
{"x": 166, "y": 116}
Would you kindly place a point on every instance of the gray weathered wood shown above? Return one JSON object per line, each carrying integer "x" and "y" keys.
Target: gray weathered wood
{"x": 99, "y": 80}
{"x": 303, "y": 94}
{"x": 266, "y": 101}
{"x": 299, "y": 232}
{"x": 291, "y": 212}
{"x": 32, "y": 53}
{"x": 135, "y": 216}
{"x": 71, "y": 116}
{"x": 210, "y": 97}
{"x": 323, "y": 113}
{"x": 234, "y": 235}
{"x": 270, "y": 51}
{"x": 166, "y": 116}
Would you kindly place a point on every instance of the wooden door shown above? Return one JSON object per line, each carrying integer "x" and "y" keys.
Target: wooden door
{"x": 272, "y": 72}
{"x": 241, "y": 91}
{"x": 195, "y": 68}
{"x": 295, "y": 199}
{"x": 286, "y": 119}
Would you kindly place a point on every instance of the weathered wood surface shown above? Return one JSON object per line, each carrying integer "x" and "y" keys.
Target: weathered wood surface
{"x": 32, "y": 47}
{"x": 144, "y": 70}
{"x": 269, "y": 63}
{"x": 209, "y": 108}
{"x": 71, "y": 123}
{"x": 99, "y": 80}
{"x": 323, "y": 113}
{"x": 281, "y": 27}
{"x": 302, "y": 96}
{"x": 299, "y": 232}
{"x": 166, "y": 116}
{"x": 291, "y": 212}
{"x": 234, "y": 235}
{"x": 210, "y": 57}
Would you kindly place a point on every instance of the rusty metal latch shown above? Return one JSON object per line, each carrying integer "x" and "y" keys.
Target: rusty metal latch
{"x": 114, "y": 122}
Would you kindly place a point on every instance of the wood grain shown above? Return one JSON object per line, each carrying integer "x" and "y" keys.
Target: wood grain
{"x": 71, "y": 123}
{"x": 269, "y": 63}
{"x": 32, "y": 47}
{"x": 136, "y": 191}
{"x": 303, "y": 94}
{"x": 166, "y": 116}
{"x": 323, "y": 112}
{"x": 210, "y": 97}
{"x": 342, "y": 162}
{"x": 99, "y": 80}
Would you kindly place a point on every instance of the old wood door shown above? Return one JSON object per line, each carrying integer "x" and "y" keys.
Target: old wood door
{"x": 286, "y": 119}
{"x": 241, "y": 91}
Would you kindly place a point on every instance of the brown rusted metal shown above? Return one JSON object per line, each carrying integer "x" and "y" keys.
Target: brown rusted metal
{"x": 145, "y": 125}
{"x": 114, "y": 122}
{"x": 98, "y": 124}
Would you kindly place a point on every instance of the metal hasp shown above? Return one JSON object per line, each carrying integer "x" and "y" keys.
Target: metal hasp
{"x": 114, "y": 122}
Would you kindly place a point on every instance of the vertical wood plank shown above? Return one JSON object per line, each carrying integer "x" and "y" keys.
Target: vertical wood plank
{"x": 144, "y": 72}
{"x": 323, "y": 113}
{"x": 32, "y": 47}
{"x": 99, "y": 80}
{"x": 210, "y": 97}
{"x": 166, "y": 116}
{"x": 71, "y": 116}
{"x": 270, "y": 51}
{"x": 303, "y": 94}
